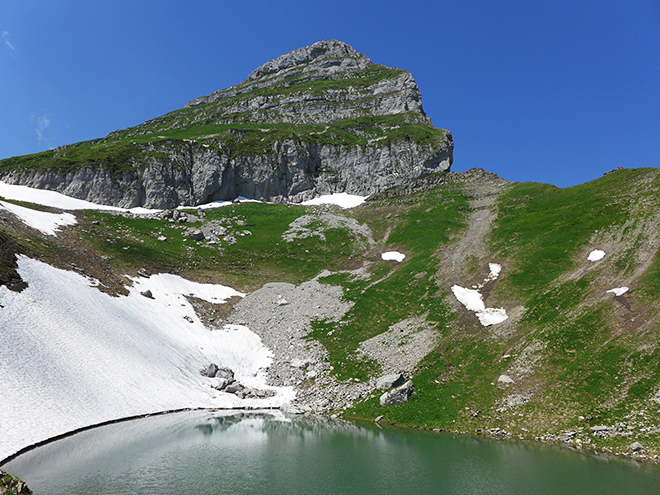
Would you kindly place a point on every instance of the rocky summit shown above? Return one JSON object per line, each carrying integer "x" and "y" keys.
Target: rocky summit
{"x": 318, "y": 120}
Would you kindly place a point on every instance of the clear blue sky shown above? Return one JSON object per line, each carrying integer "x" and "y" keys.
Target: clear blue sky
{"x": 556, "y": 92}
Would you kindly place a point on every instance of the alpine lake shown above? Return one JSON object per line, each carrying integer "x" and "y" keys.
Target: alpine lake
{"x": 266, "y": 452}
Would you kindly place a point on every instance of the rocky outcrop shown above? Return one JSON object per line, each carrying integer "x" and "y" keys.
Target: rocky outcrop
{"x": 295, "y": 171}
{"x": 11, "y": 485}
{"x": 329, "y": 120}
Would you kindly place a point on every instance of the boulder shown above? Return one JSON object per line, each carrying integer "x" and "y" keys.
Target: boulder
{"x": 300, "y": 363}
{"x": 234, "y": 388}
{"x": 636, "y": 447}
{"x": 505, "y": 379}
{"x": 386, "y": 382}
{"x": 210, "y": 370}
{"x": 224, "y": 373}
{"x": 398, "y": 395}
{"x": 147, "y": 293}
{"x": 196, "y": 235}
{"x": 222, "y": 384}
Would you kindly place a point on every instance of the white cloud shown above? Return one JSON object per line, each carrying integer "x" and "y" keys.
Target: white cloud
{"x": 43, "y": 122}
{"x": 5, "y": 37}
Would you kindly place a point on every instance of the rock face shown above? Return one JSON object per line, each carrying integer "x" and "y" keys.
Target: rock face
{"x": 318, "y": 120}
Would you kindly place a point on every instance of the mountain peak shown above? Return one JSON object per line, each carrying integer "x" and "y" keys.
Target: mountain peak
{"x": 334, "y": 52}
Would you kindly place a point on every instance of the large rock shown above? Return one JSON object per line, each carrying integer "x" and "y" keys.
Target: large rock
{"x": 398, "y": 395}
{"x": 386, "y": 382}
{"x": 210, "y": 370}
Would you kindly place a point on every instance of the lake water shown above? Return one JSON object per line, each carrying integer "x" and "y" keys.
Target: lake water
{"x": 201, "y": 452}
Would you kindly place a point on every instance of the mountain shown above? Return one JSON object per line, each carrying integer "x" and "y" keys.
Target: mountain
{"x": 516, "y": 309}
{"x": 321, "y": 119}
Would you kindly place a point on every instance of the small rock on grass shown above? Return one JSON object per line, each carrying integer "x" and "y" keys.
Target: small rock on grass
{"x": 636, "y": 447}
{"x": 505, "y": 379}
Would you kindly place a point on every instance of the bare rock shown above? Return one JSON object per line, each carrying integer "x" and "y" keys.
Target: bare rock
{"x": 386, "y": 382}
{"x": 398, "y": 395}
{"x": 505, "y": 379}
{"x": 210, "y": 370}
{"x": 636, "y": 447}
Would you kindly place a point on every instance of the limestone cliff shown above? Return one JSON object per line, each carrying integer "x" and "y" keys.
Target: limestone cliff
{"x": 317, "y": 120}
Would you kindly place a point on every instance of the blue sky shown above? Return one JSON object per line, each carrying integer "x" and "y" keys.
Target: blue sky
{"x": 556, "y": 92}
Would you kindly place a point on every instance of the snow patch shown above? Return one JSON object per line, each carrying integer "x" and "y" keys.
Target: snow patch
{"x": 393, "y": 256}
{"x": 473, "y": 300}
{"x": 495, "y": 270}
{"x": 596, "y": 255}
{"x": 48, "y": 223}
{"x": 219, "y": 204}
{"x": 619, "y": 291}
{"x": 73, "y": 356}
{"x": 343, "y": 200}
{"x": 58, "y": 200}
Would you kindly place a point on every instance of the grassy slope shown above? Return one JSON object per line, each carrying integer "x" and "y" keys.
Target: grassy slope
{"x": 599, "y": 359}
{"x": 598, "y": 355}
{"x": 218, "y": 127}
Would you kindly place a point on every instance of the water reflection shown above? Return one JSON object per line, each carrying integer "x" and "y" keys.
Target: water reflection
{"x": 205, "y": 452}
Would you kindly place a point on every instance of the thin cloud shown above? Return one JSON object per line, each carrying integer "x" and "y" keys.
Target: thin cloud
{"x": 5, "y": 37}
{"x": 43, "y": 122}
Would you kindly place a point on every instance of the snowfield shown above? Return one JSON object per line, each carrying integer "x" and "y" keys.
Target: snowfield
{"x": 57, "y": 200}
{"x": 48, "y": 223}
{"x": 73, "y": 356}
{"x": 618, "y": 291}
{"x": 472, "y": 300}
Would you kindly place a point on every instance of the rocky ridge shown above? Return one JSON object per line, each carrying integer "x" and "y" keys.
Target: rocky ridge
{"x": 318, "y": 120}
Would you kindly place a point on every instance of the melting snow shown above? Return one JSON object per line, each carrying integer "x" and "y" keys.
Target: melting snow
{"x": 473, "y": 300}
{"x": 341, "y": 199}
{"x": 57, "y": 200}
{"x": 219, "y": 204}
{"x": 393, "y": 256}
{"x": 73, "y": 356}
{"x": 495, "y": 270}
{"x": 48, "y": 223}
{"x": 619, "y": 291}
{"x": 596, "y": 255}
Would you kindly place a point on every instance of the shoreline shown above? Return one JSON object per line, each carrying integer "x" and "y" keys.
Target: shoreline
{"x": 499, "y": 434}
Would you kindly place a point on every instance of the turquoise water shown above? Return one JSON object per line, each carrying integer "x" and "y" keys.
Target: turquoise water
{"x": 266, "y": 453}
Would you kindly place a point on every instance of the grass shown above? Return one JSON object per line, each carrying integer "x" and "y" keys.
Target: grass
{"x": 594, "y": 359}
{"x": 225, "y": 126}
{"x": 232, "y": 140}
{"x": 394, "y": 292}
{"x": 253, "y": 260}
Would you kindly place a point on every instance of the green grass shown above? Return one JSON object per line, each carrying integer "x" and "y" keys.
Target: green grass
{"x": 543, "y": 227}
{"x": 239, "y": 133}
{"x": 232, "y": 140}
{"x": 255, "y": 259}
{"x": 394, "y": 292}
